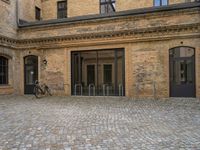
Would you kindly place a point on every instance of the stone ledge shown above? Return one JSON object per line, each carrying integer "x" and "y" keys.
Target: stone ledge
{"x": 87, "y": 18}
{"x": 6, "y": 89}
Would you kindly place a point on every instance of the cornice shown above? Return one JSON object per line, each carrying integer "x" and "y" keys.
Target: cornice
{"x": 135, "y": 34}
{"x": 116, "y": 19}
{"x": 173, "y": 9}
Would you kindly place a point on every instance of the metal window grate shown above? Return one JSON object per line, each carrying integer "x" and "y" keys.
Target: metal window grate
{"x": 3, "y": 70}
{"x": 62, "y": 9}
{"x": 107, "y": 6}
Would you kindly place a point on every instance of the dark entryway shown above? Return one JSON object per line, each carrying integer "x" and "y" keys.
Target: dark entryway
{"x": 182, "y": 72}
{"x": 98, "y": 73}
{"x": 30, "y": 73}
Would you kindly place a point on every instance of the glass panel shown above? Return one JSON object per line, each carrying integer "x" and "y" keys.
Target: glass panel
{"x": 157, "y": 3}
{"x": 182, "y": 52}
{"x": 107, "y": 6}
{"x": 189, "y": 71}
{"x": 103, "y": 9}
{"x": 90, "y": 74}
{"x": 107, "y": 74}
{"x": 103, "y": 69}
{"x": 183, "y": 72}
{"x": 30, "y": 75}
{"x": 164, "y": 2}
{"x": 106, "y": 77}
{"x": 87, "y": 70}
{"x": 62, "y": 9}
{"x": 120, "y": 87}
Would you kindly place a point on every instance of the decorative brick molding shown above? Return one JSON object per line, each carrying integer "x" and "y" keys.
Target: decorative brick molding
{"x": 135, "y": 34}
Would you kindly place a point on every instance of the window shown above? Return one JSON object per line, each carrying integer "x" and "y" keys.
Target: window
{"x": 62, "y": 9}
{"x": 107, "y": 6}
{"x": 3, "y": 70}
{"x": 37, "y": 13}
{"x": 160, "y": 2}
{"x": 107, "y": 74}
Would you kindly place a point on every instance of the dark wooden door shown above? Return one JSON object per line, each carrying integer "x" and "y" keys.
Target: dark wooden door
{"x": 182, "y": 72}
{"x": 30, "y": 73}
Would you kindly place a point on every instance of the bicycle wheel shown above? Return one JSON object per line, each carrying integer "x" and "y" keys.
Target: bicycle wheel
{"x": 37, "y": 92}
{"x": 48, "y": 90}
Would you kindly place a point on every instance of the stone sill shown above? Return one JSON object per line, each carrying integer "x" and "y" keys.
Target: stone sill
{"x": 6, "y": 87}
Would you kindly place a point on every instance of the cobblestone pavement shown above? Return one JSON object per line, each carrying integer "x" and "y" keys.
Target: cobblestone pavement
{"x": 72, "y": 123}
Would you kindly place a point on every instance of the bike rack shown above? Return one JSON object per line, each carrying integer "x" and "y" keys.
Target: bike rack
{"x": 78, "y": 85}
{"x": 121, "y": 90}
{"x": 104, "y": 89}
{"x": 108, "y": 90}
{"x": 91, "y": 86}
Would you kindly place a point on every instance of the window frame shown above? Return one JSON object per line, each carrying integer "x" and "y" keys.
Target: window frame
{"x": 37, "y": 13}
{"x": 63, "y": 10}
{"x": 6, "y": 69}
{"x": 107, "y": 2}
{"x": 161, "y": 3}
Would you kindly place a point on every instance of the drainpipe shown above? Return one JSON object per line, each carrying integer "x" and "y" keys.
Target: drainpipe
{"x": 17, "y": 13}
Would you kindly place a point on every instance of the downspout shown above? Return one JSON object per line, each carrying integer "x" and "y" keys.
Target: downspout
{"x": 17, "y": 13}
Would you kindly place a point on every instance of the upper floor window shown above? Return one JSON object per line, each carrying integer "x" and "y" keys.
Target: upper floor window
{"x": 37, "y": 13}
{"x": 3, "y": 70}
{"x": 62, "y": 9}
{"x": 160, "y": 2}
{"x": 107, "y": 6}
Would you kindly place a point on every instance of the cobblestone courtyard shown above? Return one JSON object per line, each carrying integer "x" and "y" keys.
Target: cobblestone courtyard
{"x": 72, "y": 123}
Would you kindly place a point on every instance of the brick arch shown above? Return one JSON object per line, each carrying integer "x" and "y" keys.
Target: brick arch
{"x": 5, "y": 55}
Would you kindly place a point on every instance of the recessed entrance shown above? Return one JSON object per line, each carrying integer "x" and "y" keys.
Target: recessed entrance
{"x": 98, "y": 73}
{"x": 182, "y": 72}
{"x": 30, "y": 73}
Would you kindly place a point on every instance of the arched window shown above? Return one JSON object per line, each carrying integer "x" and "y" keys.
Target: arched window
{"x": 3, "y": 70}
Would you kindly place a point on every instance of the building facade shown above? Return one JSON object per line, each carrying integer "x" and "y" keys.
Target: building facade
{"x": 146, "y": 48}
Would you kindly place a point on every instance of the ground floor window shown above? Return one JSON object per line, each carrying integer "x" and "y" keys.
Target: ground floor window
{"x": 99, "y": 73}
{"x": 3, "y": 70}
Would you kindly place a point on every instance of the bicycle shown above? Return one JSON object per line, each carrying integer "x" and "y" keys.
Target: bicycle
{"x": 40, "y": 90}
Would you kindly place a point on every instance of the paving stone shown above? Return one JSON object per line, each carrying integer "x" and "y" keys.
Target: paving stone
{"x": 104, "y": 123}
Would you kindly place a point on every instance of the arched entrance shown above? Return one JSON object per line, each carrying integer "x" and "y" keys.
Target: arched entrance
{"x": 30, "y": 73}
{"x": 182, "y": 72}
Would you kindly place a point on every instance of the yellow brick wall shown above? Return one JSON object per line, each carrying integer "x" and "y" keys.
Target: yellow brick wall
{"x": 82, "y": 7}
{"x": 78, "y": 7}
{"x": 27, "y": 10}
{"x": 8, "y": 16}
{"x": 122, "y": 5}
{"x": 179, "y": 1}
{"x": 49, "y": 9}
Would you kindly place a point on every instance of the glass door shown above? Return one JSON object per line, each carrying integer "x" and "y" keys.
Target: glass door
{"x": 182, "y": 72}
{"x": 30, "y": 73}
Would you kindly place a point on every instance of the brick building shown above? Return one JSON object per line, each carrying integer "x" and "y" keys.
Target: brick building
{"x": 101, "y": 47}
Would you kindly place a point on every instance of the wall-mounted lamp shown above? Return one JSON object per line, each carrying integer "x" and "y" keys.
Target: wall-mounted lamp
{"x": 45, "y": 62}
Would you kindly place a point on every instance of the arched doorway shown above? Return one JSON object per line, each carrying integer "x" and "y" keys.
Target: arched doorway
{"x": 182, "y": 72}
{"x": 30, "y": 73}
